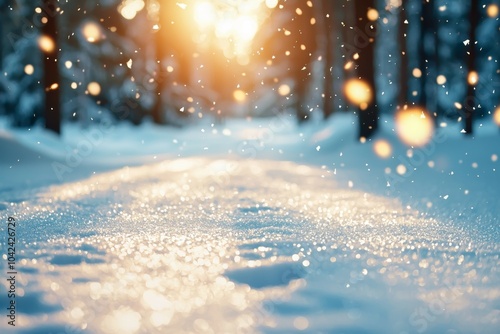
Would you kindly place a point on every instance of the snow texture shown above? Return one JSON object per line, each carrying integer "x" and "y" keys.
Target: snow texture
{"x": 260, "y": 232}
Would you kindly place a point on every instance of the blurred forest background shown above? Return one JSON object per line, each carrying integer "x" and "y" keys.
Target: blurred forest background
{"x": 176, "y": 62}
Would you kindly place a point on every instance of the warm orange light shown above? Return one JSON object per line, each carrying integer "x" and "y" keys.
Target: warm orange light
{"x": 92, "y": 32}
{"x": 46, "y": 44}
{"x": 473, "y": 78}
{"x": 492, "y": 10}
{"x": 414, "y": 126}
{"x": 358, "y": 92}
{"x": 382, "y": 148}
{"x": 496, "y": 116}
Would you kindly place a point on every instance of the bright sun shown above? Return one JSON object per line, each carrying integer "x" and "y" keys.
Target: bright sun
{"x": 228, "y": 24}
{"x": 235, "y": 21}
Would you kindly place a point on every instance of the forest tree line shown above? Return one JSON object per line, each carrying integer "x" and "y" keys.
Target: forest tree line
{"x": 89, "y": 60}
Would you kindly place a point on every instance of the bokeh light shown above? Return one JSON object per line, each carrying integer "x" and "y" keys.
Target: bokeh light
{"x": 129, "y": 8}
{"x": 271, "y": 3}
{"x": 492, "y": 10}
{"x": 382, "y": 148}
{"x": 284, "y": 90}
{"x": 301, "y": 323}
{"x": 372, "y": 14}
{"x": 29, "y": 69}
{"x": 496, "y": 116}
{"x": 92, "y": 32}
{"x": 417, "y": 73}
{"x": 46, "y": 44}
{"x": 358, "y": 92}
{"x": 240, "y": 96}
{"x": 246, "y": 28}
{"x": 94, "y": 88}
{"x": 473, "y": 78}
{"x": 441, "y": 79}
{"x": 204, "y": 14}
{"x": 414, "y": 126}
{"x": 401, "y": 169}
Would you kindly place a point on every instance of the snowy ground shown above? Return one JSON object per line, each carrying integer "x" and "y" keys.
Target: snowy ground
{"x": 251, "y": 227}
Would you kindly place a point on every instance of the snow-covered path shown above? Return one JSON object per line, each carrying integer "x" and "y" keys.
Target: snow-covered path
{"x": 201, "y": 245}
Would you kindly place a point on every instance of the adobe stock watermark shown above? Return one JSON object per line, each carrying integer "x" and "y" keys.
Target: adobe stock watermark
{"x": 423, "y": 316}
{"x": 75, "y": 157}
{"x": 361, "y": 39}
{"x": 31, "y": 28}
{"x": 121, "y": 109}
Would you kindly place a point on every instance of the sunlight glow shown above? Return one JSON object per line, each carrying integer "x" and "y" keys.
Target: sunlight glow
{"x": 414, "y": 126}
{"x": 358, "y": 92}
{"x": 230, "y": 26}
{"x": 204, "y": 14}
{"x": 246, "y": 28}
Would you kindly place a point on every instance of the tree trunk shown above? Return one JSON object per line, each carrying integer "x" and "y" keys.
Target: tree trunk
{"x": 404, "y": 75}
{"x": 329, "y": 35}
{"x": 51, "y": 69}
{"x": 1, "y": 40}
{"x": 470, "y": 101}
{"x": 428, "y": 64}
{"x": 160, "y": 78}
{"x": 365, "y": 35}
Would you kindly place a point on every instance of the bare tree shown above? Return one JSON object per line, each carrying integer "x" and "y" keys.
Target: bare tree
{"x": 328, "y": 8}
